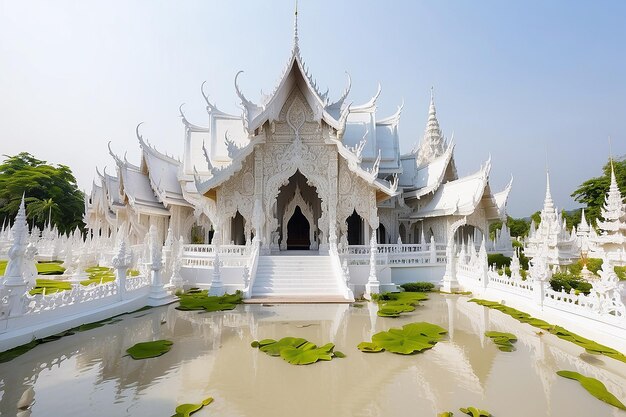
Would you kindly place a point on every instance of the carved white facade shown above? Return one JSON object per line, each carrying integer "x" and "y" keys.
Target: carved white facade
{"x": 296, "y": 170}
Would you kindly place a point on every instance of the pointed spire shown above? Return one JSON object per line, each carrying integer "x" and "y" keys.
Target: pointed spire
{"x": 296, "y": 46}
{"x": 432, "y": 144}
{"x": 548, "y": 204}
{"x": 583, "y": 226}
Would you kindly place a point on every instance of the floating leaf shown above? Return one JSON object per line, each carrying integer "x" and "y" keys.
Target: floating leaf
{"x": 297, "y": 351}
{"x": 393, "y": 304}
{"x": 503, "y": 340}
{"x": 307, "y": 354}
{"x": 594, "y": 387}
{"x": 589, "y": 345}
{"x": 339, "y": 354}
{"x": 185, "y": 410}
{"x": 201, "y": 300}
{"x": 273, "y": 348}
{"x": 475, "y": 412}
{"x": 10, "y": 354}
{"x": 411, "y": 338}
{"x": 369, "y": 347}
{"x": 445, "y": 414}
{"x": 147, "y": 350}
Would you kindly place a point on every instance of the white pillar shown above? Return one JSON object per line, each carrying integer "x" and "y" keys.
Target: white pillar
{"x": 373, "y": 285}
{"x": 158, "y": 295}
{"x": 217, "y": 287}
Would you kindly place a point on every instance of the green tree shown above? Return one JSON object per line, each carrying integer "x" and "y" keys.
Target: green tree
{"x": 592, "y": 192}
{"x": 50, "y": 191}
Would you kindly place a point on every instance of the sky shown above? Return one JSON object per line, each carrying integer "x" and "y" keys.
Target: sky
{"x": 534, "y": 84}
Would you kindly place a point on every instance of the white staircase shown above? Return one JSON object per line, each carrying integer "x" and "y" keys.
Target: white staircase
{"x": 296, "y": 277}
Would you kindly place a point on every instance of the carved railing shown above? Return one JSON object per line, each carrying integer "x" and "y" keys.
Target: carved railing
{"x": 253, "y": 262}
{"x": 78, "y": 294}
{"x": 511, "y": 284}
{"x": 340, "y": 274}
{"x": 202, "y": 256}
{"x": 398, "y": 255}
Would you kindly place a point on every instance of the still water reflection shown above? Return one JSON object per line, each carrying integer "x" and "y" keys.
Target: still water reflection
{"x": 89, "y": 374}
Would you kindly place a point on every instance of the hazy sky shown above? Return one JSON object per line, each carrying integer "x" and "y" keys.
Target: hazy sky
{"x": 518, "y": 80}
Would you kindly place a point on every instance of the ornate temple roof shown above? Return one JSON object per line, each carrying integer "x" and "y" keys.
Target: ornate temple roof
{"x": 461, "y": 197}
{"x": 162, "y": 171}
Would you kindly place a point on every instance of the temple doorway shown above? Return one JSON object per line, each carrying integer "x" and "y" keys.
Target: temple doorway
{"x": 298, "y": 209}
{"x": 355, "y": 229}
{"x": 298, "y": 231}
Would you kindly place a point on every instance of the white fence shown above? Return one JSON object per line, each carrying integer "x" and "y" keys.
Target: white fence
{"x": 397, "y": 254}
{"x": 602, "y": 310}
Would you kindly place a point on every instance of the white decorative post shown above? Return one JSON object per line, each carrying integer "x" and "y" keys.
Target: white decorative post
{"x": 16, "y": 267}
{"x": 167, "y": 252}
{"x": 158, "y": 295}
{"x": 122, "y": 260}
{"x": 176, "y": 280}
{"x": 433, "y": 250}
{"x": 373, "y": 285}
{"x": 540, "y": 275}
{"x": 450, "y": 282}
{"x": 217, "y": 287}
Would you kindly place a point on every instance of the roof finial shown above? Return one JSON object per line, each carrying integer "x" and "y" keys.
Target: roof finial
{"x": 610, "y": 154}
{"x": 296, "y": 47}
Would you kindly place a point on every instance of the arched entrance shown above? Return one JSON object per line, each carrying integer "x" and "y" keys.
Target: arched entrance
{"x": 298, "y": 231}
{"x": 298, "y": 210}
{"x": 355, "y": 229}
{"x": 237, "y": 229}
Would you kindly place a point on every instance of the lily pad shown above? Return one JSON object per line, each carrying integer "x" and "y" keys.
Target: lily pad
{"x": 147, "y": 350}
{"x": 201, "y": 300}
{"x": 503, "y": 340}
{"x": 394, "y": 304}
{"x": 411, "y": 338}
{"x": 297, "y": 351}
{"x": 475, "y": 412}
{"x": 185, "y": 410}
{"x": 589, "y": 345}
{"x": 369, "y": 347}
{"x": 594, "y": 387}
{"x": 307, "y": 354}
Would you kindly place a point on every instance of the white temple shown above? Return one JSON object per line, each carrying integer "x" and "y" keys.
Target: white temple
{"x": 296, "y": 170}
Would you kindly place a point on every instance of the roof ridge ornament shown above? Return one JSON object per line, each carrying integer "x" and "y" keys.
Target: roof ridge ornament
{"x": 116, "y": 158}
{"x": 296, "y": 46}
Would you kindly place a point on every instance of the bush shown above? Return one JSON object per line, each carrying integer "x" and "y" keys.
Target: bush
{"x": 418, "y": 286}
{"x": 568, "y": 281}
{"x": 621, "y": 272}
{"x": 499, "y": 259}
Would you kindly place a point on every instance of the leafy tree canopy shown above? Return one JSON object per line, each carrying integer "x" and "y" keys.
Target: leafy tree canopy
{"x": 51, "y": 191}
{"x": 592, "y": 192}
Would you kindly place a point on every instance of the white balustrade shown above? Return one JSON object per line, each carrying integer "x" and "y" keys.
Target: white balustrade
{"x": 397, "y": 255}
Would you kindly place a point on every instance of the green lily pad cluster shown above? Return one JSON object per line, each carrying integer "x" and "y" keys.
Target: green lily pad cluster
{"x": 97, "y": 275}
{"x": 411, "y": 338}
{"x": 470, "y": 411}
{"x": 146, "y": 350}
{"x": 396, "y": 303}
{"x": 185, "y": 410}
{"x": 560, "y": 332}
{"x": 594, "y": 387}
{"x": 297, "y": 351}
{"x": 201, "y": 300}
{"x": 503, "y": 340}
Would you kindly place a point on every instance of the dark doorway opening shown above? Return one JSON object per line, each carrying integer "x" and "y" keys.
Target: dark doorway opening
{"x": 355, "y": 229}
{"x": 298, "y": 230}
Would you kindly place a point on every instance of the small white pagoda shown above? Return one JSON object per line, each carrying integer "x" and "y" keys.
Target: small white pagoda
{"x": 551, "y": 238}
{"x": 610, "y": 243}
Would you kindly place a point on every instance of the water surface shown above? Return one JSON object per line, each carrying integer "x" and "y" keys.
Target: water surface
{"x": 89, "y": 373}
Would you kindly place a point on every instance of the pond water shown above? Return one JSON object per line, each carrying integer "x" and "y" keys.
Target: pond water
{"x": 88, "y": 374}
